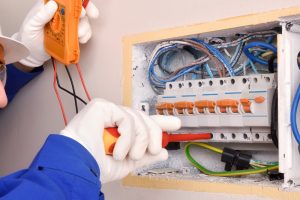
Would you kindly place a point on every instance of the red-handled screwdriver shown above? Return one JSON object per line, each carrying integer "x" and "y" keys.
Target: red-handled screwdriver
{"x": 111, "y": 135}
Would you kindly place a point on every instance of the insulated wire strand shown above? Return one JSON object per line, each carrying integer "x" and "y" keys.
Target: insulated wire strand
{"x": 237, "y": 54}
{"x": 256, "y": 169}
{"x": 263, "y": 163}
{"x": 251, "y": 65}
{"x": 67, "y": 91}
{"x": 258, "y": 44}
{"x": 256, "y": 166}
{"x": 208, "y": 70}
{"x": 83, "y": 82}
{"x": 246, "y": 38}
{"x": 262, "y": 54}
{"x": 267, "y": 53}
{"x": 56, "y": 82}
{"x": 212, "y": 148}
{"x": 294, "y": 115}
{"x": 217, "y": 54}
{"x": 57, "y": 93}
{"x": 220, "y": 151}
{"x": 73, "y": 88}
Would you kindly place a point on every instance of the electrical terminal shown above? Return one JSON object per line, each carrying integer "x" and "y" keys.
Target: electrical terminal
{"x": 235, "y": 137}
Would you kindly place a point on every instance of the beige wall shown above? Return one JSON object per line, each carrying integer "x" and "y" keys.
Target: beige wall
{"x": 35, "y": 113}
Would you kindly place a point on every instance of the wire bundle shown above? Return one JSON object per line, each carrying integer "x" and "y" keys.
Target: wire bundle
{"x": 207, "y": 54}
{"x": 255, "y": 58}
{"x": 257, "y": 52}
{"x": 245, "y": 38}
{"x": 257, "y": 165}
{"x": 200, "y": 51}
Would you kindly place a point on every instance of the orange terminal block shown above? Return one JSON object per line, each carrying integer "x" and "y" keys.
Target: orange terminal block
{"x": 160, "y": 107}
{"x": 111, "y": 135}
{"x": 225, "y": 103}
{"x": 246, "y": 103}
{"x": 180, "y": 106}
{"x": 200, "y": 105}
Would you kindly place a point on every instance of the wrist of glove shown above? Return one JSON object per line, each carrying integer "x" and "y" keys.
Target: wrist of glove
{"x": 139, "y": 143}
{"x": 31, "y": 33}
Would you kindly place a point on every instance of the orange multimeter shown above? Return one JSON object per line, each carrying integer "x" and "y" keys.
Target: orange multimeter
{"x": 61, "y": 33}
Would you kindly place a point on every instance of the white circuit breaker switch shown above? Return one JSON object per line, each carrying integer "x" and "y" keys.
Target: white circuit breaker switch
{"x": 243, "y": 101}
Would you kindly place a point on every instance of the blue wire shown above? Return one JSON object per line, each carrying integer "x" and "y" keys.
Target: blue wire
{"x": 294, "y": 115}
{"x": 253, "y": 66}
{"x": 208, "y": 70}
{"x": 165, "y": 61}
{"x": 152, "y": 64}
{"x": 159, "y": 82}
{"x": 195, "y": 76}
{"x": 254, "y": 58}
{"x": 270, "y": 39}
{"x": 236, "y": 55}
{"x": 239, "y": 70}
{"x": 151, "y": 73}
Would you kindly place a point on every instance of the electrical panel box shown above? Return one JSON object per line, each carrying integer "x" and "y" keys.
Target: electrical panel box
{"x": 235, "y": 79}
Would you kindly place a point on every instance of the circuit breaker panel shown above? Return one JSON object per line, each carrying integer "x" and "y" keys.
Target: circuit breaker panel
{"x": 210, "y": 83}
{"x": 225, "y": 83}
{"x": 235, "y": 103}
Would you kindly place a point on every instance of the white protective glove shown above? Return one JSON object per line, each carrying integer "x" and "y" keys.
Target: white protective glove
{"x": 139, "y": 144}
{"x": 31, "y": 32}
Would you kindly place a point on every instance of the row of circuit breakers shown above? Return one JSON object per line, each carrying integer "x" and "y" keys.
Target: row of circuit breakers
{"x": 241, "y": 104}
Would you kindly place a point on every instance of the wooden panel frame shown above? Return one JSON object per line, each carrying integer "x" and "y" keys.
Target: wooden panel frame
{"x": 193, "y": 185}
{"x": 264, "y": 191}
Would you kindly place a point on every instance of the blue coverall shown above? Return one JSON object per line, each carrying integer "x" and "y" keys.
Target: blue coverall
{"x": 62, "y": 170}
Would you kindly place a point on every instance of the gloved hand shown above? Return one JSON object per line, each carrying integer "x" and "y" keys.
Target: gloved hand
{"x": 140, "y": 142}
{"x": 31, "y": 32}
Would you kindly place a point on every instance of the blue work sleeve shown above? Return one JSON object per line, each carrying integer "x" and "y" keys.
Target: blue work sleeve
{"x": 16, "y": 79}
{"x": 62, "y": 170}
